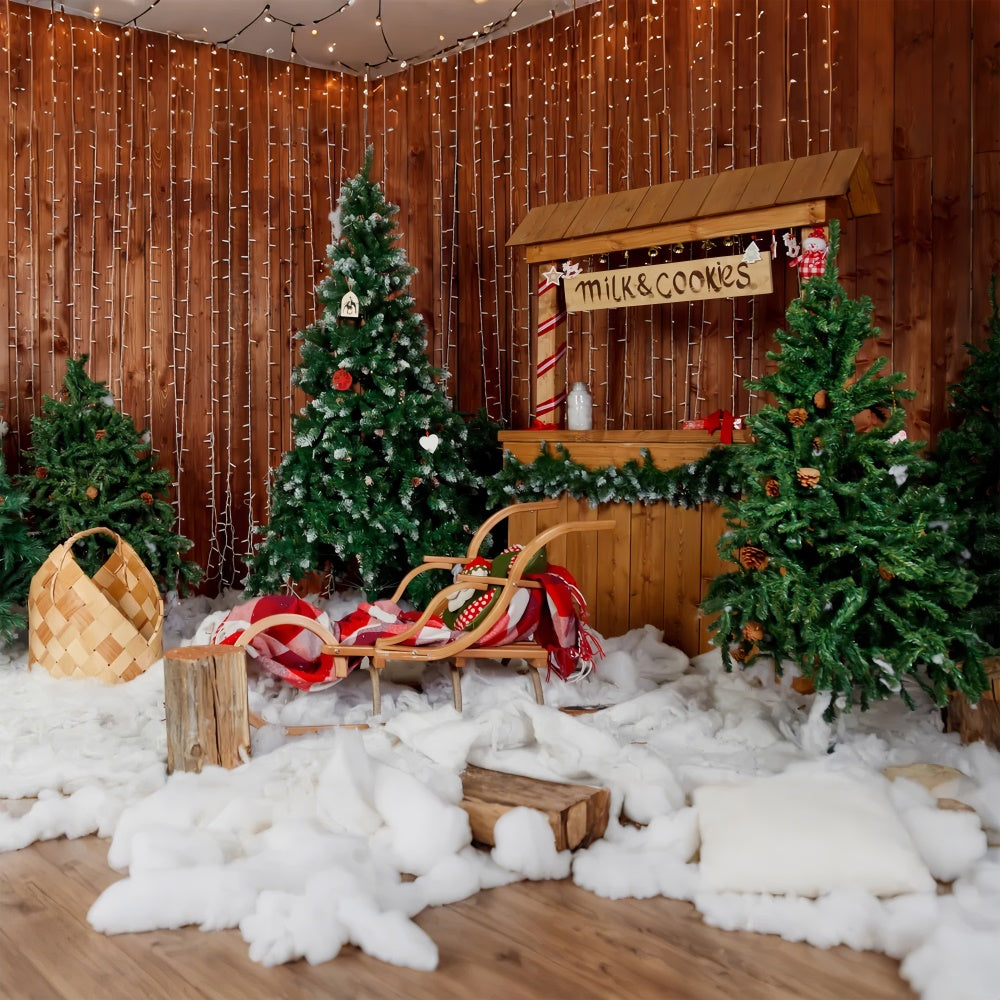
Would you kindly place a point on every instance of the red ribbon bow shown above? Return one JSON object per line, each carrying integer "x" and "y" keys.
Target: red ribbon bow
{"x": 721, "y": 419}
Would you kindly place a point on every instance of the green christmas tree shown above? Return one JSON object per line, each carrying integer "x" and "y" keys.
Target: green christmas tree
{"x": 849, "y": 563}
{"x": 969, "y": 457}
{"x": 20, "y": 555}
{"x": 88, "y": 467}
{"x": 383, "y": 470}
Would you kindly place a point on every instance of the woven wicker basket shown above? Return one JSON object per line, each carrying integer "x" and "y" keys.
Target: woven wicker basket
{"x": 108, "y": 626}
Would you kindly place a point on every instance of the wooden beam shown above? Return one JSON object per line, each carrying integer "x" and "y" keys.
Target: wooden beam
{"x": 805, "y": 213}
{"x": 577, "y": 814}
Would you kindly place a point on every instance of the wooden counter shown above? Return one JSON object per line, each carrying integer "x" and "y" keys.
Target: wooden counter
{"x": 656, "y": 565}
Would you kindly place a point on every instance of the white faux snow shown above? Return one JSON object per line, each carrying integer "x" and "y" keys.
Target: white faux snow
{"x": 343, "y": 837}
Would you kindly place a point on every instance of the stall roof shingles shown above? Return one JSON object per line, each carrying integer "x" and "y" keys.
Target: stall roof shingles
{"x": 841, "y": 178}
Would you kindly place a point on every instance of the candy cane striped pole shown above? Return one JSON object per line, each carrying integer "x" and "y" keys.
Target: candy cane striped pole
{"x": 550, "y": 351}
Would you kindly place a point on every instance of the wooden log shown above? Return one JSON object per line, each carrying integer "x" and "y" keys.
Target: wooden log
{"x": 977, "y": 722}
{"x": 578, "y": 814}
{"x": 205, "y": 692}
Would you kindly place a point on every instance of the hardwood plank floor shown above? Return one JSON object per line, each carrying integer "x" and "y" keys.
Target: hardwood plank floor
{"x": 526, "y": 941}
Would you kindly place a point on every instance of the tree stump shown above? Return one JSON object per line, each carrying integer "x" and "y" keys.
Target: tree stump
{"x": 205, "y": 693}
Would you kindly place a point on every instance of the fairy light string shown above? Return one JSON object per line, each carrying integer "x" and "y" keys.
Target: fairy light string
{"x": 127, "y": 201}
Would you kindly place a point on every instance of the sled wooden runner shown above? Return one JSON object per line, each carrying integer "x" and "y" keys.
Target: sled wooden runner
{"x": 460, "y": 650}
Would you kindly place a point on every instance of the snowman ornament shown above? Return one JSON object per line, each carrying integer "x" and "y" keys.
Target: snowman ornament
{"x": 811, "y": 262}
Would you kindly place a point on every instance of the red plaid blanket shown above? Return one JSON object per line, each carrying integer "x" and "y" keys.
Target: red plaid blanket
{"x": 554, "y": 616}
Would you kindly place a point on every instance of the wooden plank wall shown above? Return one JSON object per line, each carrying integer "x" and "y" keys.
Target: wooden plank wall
{"x": 167, "y": 209}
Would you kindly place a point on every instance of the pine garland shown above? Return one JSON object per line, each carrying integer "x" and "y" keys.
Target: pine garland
{"x": 711, "y": 479}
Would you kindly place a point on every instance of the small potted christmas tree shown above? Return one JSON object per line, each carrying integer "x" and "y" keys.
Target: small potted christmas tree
{"x": 969, "y": 460}
{"x": 88, "y": 466}
{"x": 849, "y": 561}
{"x": 383, "y": 469}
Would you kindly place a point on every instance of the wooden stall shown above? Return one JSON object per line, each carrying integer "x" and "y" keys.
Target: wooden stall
{"x": 655, "y": 567}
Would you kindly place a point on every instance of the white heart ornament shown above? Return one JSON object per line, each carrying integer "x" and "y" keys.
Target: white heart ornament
{"x": 429, "y": 442}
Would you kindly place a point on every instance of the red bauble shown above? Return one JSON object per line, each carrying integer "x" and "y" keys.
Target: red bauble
{"x": 342, "y": 379}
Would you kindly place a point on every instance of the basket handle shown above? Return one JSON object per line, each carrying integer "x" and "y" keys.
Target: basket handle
{"x": 91, "y": 531}
{"x": 68, "y": 545}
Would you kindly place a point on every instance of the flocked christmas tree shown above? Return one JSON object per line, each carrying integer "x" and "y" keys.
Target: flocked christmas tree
{"x": 88, "y": 466}
{"x": 849, "y": 564}
{"x": 21, "y": 553}
{"x": 969, "y": 457}
{"x": 382, "y": 469}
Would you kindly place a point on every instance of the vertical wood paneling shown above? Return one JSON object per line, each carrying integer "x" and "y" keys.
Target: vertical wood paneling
{"x": 166, "y": 209}
{"x": 913, "y": 284}
{"x": 986, "y": 160}
{"x": 874, "y": 234}
{"x": 951, "y": 213}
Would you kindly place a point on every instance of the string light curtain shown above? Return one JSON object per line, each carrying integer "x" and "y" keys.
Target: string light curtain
{"x": 168, "y": 211}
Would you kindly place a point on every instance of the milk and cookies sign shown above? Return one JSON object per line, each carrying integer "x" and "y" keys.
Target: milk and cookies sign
{"x": 658, "y": 284}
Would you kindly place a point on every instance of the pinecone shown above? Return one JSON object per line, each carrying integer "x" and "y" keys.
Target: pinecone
{"x": 146, "y": 498}
{"x": 771, "y": 488}
{"x": 100, "y": 434}
{"x": 753, "y": 631}
{"x": 808, "y": 476}
{"x": 91, "y": 492}
{"x": 821, "y": 400}
{"x": 753, "y": 557}
{"x": 886, "y": 574}
{"x": 797, "y": 416}
{"x": 741, "y": 653}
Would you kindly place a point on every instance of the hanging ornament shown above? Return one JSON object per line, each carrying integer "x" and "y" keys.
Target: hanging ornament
{"x": 812, "y": 262}
{"x": 797, "y": 416}
{"x": 678, "y": 248}
{"x": 91, "y": 492}
{"x": 898, "y": 438}
{"x": 752, "y": 253}
{"x": 808, "y": 477}
{"x": 379, "y": 432}
{"x": 753, "y": 557}
{"x": 146, "y": 498}
{"x": 571, "y": 269}
{"x": 654, "y": 252}
{"x": 429, "y": 442}
{"x": 553, "y": 275}
{"x": 350, "y": 307}
{"x": 774, "y": 245}
{"x": 792, "y": 245}
{"x": 342, "y": 379}
{"x": 4, "y": 427}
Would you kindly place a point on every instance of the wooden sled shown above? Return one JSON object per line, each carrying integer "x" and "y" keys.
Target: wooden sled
{"x": 458, "y": 652}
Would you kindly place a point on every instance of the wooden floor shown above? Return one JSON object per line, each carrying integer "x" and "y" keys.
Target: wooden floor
{"x": 547, "y": 940}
